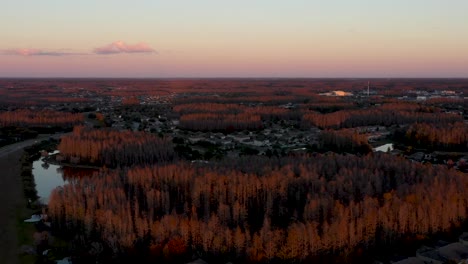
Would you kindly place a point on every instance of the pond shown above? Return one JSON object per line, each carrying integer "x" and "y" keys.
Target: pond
{"x": 49, "y": 176}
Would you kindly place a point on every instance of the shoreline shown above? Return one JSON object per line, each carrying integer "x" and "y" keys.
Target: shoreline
{"x": 51, "y": 160}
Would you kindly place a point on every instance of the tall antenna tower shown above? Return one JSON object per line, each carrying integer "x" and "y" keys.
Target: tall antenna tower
{"x": 368, "y": 88}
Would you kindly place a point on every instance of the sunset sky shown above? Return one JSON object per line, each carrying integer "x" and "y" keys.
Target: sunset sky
{"x": 243, "y": 38}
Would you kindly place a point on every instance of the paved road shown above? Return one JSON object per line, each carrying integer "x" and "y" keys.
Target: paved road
{"x": 9, "y": 149}
{"x": 11, "y": 197}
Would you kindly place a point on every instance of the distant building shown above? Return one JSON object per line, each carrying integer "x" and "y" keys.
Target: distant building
{"x": 464, "y": 239}
{"x": 412, "y": 260}
{"x": 198, "y": 261}
{"x": 456, "y": 252}
{"x": 430, "y": 255}
{"x": 337, "y": 93}
{"x": 418, "y": 156}
{"x": 448, "y": 92}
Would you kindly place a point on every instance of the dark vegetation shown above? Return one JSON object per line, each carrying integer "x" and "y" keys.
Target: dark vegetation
{"x": 30, "y": 154}
{"x": 249, "y": 171}
{"x": 40, "y": 119}
{"x": 449, "y": 137}
{"x": 37, "y": 234}
{"x": 343, "y": 141}
{"x": 21, "y": 124}
{"x": 266, "y": 209}
{"x": 114, "y": 148}
{"x": 386, "y": 115}
{"x": 12, "y": 134}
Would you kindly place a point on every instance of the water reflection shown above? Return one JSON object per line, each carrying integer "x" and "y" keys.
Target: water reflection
{"x": 49, "y": 176}
{"x": 70, "y": 173}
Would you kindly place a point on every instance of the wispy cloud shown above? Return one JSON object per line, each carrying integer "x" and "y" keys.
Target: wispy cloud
{"x": 113, "y": 48}
{"x": 38, "y": 52}
{"x": 122, "y": 47}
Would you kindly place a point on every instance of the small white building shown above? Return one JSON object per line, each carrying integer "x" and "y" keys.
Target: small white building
{"x": 337, "y": 93}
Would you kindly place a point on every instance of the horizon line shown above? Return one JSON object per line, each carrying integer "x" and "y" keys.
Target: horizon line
{"x": 221, "y": 77}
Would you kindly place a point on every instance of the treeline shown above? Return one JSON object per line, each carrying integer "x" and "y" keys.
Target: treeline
{"x": 260, "y": 96}
{"x": 130, "y": 101}
{"x": 271, "y": 92}
{"x": 446, "y": 101}
{"x": 31, "y": 154}
{"x": 219, "y": 116}
{"x": 226, "y": 122}
{"x": 258, "y": 209}
{"x": 192, "y": 108}
{"x": 439, "y": 136}
{"x": 40, "y": 93}
{"x": 329, "y": 106}
{"x": 11, "y": 134}
{"x": 324, "y": 114}
{"x": 343, "y": 140}
{"x": 39, "y": 118}
{"x": 385, "y": 116}
{"x": 228, "y": 117}
{"x": 114, "y": 148}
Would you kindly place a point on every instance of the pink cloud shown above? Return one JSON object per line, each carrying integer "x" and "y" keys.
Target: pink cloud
{"x": 23, "y": 52}
{"x": 122, "y": 47}
{"x": 37, "y": 52}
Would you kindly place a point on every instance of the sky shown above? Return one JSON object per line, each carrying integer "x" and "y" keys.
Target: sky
{"x": 242, "y": 38}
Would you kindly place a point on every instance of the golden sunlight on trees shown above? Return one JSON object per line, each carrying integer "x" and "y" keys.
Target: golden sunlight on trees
{"x": 331, "y": 204}
{"x": 112, "y": 148}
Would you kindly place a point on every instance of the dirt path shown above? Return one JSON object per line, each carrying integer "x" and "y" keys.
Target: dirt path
{"x": 12, "y": 201}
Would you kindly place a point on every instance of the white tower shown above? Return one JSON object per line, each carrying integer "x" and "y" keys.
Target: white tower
{"x": 368, "y": 88}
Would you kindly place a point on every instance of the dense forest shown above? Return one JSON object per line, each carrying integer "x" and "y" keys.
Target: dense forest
{"x": 21, "y": 124}
{"x": 439, "y": 136}
{"x": 246, "y": 170}
{"x": 114, "y": 148}
{"x": 385, "y": 115}
{"x": 260, "y": 209}
{"x": 229, "y": 117}
{"x": 322, "y": 113}
{"x": 343, "y": 141}
{"x": 42, "y": 118}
